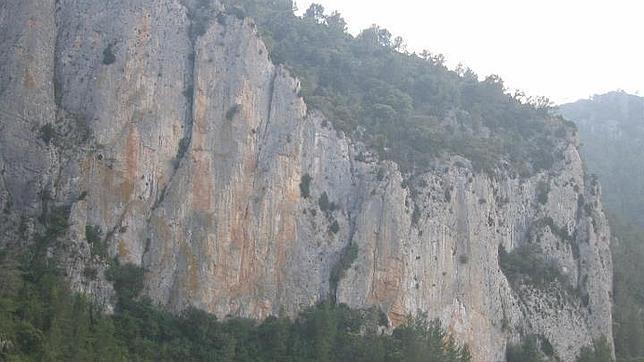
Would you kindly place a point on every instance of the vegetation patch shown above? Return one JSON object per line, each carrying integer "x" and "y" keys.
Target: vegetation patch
{"x": 94, "y": 237}
{"x": 335, "y": 227}
{"x": 600, "y": 351}
{"x": 560, "y": 232}
{"x": 47, "y": 133}
{"x": 109, "y": 57}
{"x": 530, "y": 349}
{"x": 43, "y": 320}
{"x": 348, "y": 256}
{"x": 415, "y": 215}
{"x": 232, "y": 112}
{"x": 305, "y": 186}
{"x": 127, "y": 279}
{"x": 543, "y": 189}
{"x": 57, "y": 222}
{"x": 328, "y": 207}
{"x": 408, "y": 107}
{"x": 527, "y": 264}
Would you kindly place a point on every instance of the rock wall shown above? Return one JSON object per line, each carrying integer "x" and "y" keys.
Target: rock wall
{"x": 198, "y": 160}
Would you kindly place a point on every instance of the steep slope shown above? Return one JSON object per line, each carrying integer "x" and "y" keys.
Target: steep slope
{"x": 173, "y": 134}
{"x": 612, "y": 129}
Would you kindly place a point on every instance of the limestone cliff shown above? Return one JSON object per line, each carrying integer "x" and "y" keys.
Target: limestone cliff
{"x": 196, "y": 157}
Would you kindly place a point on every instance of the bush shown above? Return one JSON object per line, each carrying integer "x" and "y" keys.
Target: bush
{"x": 325, "y": 205}
{"x": 57, "y": 222}
{"x": 128, "y": 280}
{"x": 348, "y": 256}
{"x": 599, "y": 352}
{"x": 305, "y": 186}
{"x": 94, "y": 237}
{"x": 232, "y": 112}
{"x": 335, "y": 227}
{"x": 526, "y": 351}
{"x": 47, "y": 133}
{"x": 108, "y": 55}
{"x": 527, "y": 264}
{"x": 398, "y": 103}
{"x": 42, "y": 320}
{"x": 543, "y": 189}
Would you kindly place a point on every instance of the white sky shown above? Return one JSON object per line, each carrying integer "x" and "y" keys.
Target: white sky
{"x": 563, "y": 49}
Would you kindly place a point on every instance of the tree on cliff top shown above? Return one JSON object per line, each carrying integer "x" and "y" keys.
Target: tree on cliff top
{"x": 408, "y": 107}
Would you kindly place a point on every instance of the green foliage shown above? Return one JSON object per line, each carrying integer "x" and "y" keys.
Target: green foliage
{"x": 305, "y": 185}
{"x": 408, "y": 107}
{"x": 628, "y": 290}
{"x": 232, "y": 112}
{"x": 94, "y": 237}
{"x": 41, "y": 320}
{"x": 415, "y": 215}
{"x": 610, "y": 128}
{"x": 526, "y": 351}
{"x": 325, "y": 205}
{"x": 47, "y": 133}
{"x": 200, "y": 13}
{"x": 335, "y": 227}
{"x": 420, "y": 340}
{"x": 56, "y": 222}
{"x": 561, "y": 232}
{"x": 599, "y": 352}
{"x": 348, "y": 256}
{"x": 127, "y": 279}
{"x": 527, "y": 264}
{"x": 543, "y": 189}
{"x": 108, "y": 54}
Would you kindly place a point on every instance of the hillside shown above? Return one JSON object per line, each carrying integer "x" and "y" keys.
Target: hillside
{"x": 236, "y": 159}
{"x": 612, "y": 129}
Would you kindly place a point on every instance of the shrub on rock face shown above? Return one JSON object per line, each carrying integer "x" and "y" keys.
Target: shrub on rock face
{"x": 527, "y": 264}
{"x": 335, "y": 227}
{"x": 600, "y": 351}
{"x": 128, "y": 279}
{"x": 305, "y": 185}
{"x": 543, "y": 189}
{"x": 232, "y": 112}
{"x": 526, "y": 351}
{"x": 47, "y": 133}
{"x": 93, "y": 235}
{"x": 108, "y": 55}
{"x": 326, "y": 205}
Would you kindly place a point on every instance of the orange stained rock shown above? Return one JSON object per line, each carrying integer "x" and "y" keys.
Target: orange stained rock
{"x": 203, "y": 182}
{"x": 29, "y": 81}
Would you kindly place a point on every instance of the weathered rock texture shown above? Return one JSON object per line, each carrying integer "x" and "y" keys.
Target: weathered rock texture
{"x": 192, "y": 152}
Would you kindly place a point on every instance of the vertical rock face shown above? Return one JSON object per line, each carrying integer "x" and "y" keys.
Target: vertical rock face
{"x": 27, "y": 34}
{"x": 197, "y": 159}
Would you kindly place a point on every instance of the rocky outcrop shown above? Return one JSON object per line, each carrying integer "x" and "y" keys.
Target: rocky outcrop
{"x": 175, "y": 135}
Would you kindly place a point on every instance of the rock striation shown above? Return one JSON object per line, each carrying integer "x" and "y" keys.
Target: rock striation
{"x": 176, "y": 136}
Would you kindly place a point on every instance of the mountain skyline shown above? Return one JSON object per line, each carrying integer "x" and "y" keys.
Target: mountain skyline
{"x": 531, "y": 45}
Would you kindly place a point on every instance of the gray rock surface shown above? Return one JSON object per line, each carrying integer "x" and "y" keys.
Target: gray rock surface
{"x": 190, "y": 150}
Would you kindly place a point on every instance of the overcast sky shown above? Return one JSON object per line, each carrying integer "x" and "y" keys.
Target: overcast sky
{"x": 563, "y": 49}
